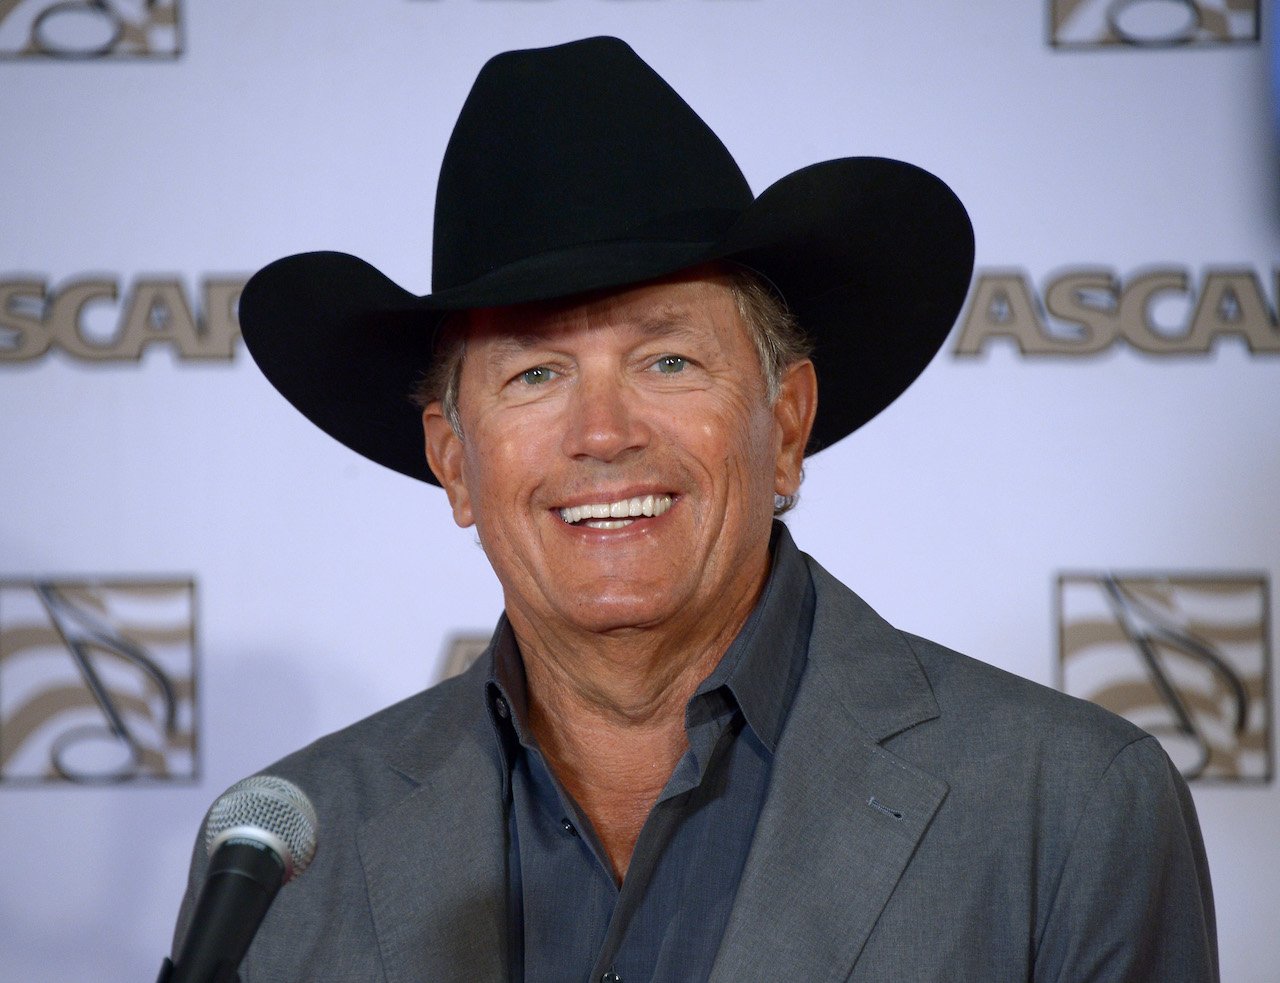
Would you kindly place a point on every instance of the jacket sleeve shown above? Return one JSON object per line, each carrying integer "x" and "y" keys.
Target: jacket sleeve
{"x": 1133, "y": 902}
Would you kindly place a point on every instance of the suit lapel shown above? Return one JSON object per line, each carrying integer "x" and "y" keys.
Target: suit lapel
{"x": 435, "y": 862}
{"x": 841, "y": 822}
{"x": 843, "y": 815}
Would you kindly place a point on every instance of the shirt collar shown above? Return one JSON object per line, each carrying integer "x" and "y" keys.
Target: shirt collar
{"x": 762, "y": 667}
{"x": 760, "y": 670}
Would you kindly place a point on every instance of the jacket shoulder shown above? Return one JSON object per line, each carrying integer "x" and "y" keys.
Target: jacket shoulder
{"x": 1001, "y": 702}
{"x": 913, "y": 692}
{"x": 360, "y": 766}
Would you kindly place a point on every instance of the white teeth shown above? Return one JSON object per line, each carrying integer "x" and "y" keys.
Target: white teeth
{"x": 624, "y": 510}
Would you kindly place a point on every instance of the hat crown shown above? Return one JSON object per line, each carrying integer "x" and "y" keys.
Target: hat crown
{"x": 581, "y": 144}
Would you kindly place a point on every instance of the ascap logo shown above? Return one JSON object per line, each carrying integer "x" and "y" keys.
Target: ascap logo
{"x": 1151, "y": 23}
{"x": 1184, "y": 656}
{"x": 106, "y": 29}
{"x": 1086, "y": 311}
{"x": 84, "y": 319}
{"x": 97, "y": 680}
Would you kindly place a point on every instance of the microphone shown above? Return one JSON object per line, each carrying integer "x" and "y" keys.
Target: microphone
{"x": 260, "y": 834}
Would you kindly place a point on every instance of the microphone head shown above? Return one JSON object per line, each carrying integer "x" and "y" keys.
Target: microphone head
{"x": 268, "y": 810}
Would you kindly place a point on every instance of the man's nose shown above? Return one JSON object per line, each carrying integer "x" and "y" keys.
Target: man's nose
{"x": 603, "y": 419}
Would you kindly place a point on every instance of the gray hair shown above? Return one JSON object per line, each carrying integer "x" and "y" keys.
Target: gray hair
{"x": 779, "y": 341}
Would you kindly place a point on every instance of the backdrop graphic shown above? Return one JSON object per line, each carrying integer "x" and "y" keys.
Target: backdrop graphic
{"x": 1104, "y": 412}
{"x": 97, "y": 681}
{"x": 75, "y": 317}
{"x": 1184, "y": 656}
{"x": 1152, "y": 23}
{"x": 84, "y": 29}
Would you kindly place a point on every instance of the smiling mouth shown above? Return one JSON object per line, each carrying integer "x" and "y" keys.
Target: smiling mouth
{"x": 615, "y": 515}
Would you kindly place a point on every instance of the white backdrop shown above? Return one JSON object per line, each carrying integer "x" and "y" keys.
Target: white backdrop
{"x": 326, "y": 586}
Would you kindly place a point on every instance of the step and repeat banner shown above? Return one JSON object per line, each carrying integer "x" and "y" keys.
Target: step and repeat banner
{"x": 1082, "y": 488}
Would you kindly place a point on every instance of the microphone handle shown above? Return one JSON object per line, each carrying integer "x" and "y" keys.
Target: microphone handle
{"x": 242, "y": 880}
{"x": 166, "y": 974}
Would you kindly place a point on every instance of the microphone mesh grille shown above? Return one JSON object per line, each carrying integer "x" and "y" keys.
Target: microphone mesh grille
{"x": 272, "y": 804}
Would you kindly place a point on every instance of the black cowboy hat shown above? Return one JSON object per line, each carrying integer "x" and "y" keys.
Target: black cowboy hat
{"x": 577, "y": 168}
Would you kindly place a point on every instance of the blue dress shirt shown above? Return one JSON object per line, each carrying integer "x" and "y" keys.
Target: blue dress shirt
{"x": 570, "y": 919}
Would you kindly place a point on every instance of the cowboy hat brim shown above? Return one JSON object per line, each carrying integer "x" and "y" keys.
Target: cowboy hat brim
{"x": 873, "y": 256}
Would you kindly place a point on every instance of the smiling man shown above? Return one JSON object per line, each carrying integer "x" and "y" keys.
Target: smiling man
{"x": 621, "y": 458}
{"x": 689, "y": 753}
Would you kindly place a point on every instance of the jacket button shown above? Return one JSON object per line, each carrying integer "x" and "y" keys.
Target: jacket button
{"x": 500, "y": 705}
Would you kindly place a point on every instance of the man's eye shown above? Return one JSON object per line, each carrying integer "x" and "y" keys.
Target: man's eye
{"x": 536, "y": 376}
{"x": 669, "y": 364}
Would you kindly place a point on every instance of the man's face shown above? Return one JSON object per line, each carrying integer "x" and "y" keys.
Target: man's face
{"x": 619, "y": 458}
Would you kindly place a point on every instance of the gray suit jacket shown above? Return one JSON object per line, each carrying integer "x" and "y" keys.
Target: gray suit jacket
{"x": 929, "y": 817}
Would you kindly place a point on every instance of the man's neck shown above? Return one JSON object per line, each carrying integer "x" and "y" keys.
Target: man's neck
{"x": 609, "y": 717}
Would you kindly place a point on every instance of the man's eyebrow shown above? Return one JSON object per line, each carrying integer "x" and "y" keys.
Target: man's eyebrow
{"x": 513, "y": 346}
{"x": 668, "y": 321}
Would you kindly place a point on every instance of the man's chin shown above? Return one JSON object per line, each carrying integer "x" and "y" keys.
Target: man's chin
{"x": 621, "y": 618}
{"x": 603, "y": 613}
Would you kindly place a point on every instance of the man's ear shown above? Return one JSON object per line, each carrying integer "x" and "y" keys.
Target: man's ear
{"x": 794, "y": 411}
{"x": 444, "y": 455}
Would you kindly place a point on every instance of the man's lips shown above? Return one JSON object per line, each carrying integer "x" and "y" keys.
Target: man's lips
{"x": 615, "y": 515}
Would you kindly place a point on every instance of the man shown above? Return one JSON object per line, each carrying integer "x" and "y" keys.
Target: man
{"x": 689, "y": 753}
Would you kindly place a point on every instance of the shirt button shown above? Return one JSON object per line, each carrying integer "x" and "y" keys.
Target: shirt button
{"x": 500, "y": 705}
{"x": 568, "y": 827}
{"x": 611, "y": 977}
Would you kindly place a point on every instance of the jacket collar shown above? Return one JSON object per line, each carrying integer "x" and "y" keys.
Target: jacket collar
{"x": 843, "y": 815}
{"x": 435, "y": 862}
{"x": 840, "y": 824}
